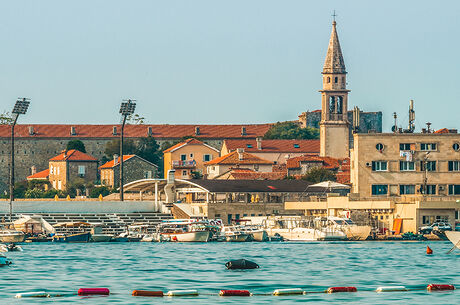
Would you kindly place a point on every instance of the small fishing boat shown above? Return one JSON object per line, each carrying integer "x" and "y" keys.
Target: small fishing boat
{"x": 72, "y": 238}
{"x": 98, "y": 236}
{"x": 10, "y": 248}
{"x": 4, "y": 261}
{"x": 236, "y": 234}
{"x": 8, "y": 235}
{"x": 454, "y": 237}
{"x": 184, "y": 230}
{"x": 352, "y": 230}
{"x": 256, "y": 232}
{"x": 75, "y": 232}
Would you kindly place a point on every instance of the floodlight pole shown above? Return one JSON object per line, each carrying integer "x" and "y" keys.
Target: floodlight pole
{"x": 127, "y": 108}
{"x": 19, "y": 108}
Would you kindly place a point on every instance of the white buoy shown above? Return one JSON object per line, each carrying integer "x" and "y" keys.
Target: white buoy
{"x": 176, "y": 293}
{"x": 37, "y": 294}
{"x": 391, "y": 288}
{"x": 288, "y": 291}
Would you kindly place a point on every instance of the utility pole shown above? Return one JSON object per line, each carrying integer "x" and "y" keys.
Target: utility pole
{"x": 127, "y": 108}
{"x": 21, "y": 106}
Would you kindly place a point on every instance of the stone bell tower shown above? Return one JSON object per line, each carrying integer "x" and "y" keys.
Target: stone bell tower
{"x": 334, "y": 126}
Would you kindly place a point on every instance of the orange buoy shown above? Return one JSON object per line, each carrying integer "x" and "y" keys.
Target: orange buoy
{"x": 341, "y": 289}
{"x": 439, "y": 287}
{"x": 146, "y": 293}
{"x": 429, "y": 250}
{"x": 242, "y": 293}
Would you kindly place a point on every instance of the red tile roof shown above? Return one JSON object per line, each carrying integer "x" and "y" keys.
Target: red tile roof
{"x": 73, "y": 155}
{"x": 281, "y": 146}
{"x": 135, "y": 131}
{"x": 253, "y": 175}
{"x": 341, "y": 167}
{"x": 232, "y": 158}
{"x": 43, "y": 175}
{"x": 110, "y": 164}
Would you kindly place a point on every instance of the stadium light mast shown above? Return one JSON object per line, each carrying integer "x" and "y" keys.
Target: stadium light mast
{"x": 126, "y": 109}
{"x": 21, "y": 106}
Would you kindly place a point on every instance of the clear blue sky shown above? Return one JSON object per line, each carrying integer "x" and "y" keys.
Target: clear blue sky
{"x": 233, "y": 61}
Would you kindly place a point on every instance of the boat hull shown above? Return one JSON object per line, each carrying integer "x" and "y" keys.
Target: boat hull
{"x": 197, "y": 236}
{"x": 72, "y": 238}
{"x": 308, "y": 234}
{"x": 242, "y": 237}
{"x": 454, "y": 237}
{"x": 12, "y": 238}
{"x": 260, "y": 235}
{"x": 98, "y": 238}
{"x": 357, "y": 232}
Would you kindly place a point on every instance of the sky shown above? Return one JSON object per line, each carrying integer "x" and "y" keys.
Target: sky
{"x": 224, "y": 62}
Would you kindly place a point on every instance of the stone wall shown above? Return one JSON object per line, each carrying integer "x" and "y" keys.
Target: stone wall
{"x": 134, "y": 169}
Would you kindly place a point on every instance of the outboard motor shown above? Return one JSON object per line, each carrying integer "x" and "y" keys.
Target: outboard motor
{"x": 241, "y": 264}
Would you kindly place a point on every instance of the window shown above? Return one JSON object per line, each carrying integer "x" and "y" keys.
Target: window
{"x": 184, "y": 173}
{"x": 430, "y": 166}
{"x": 336, "y": 79}
{"x": 456, "y": 146}
{"x": 454, "y": 166}
{"x": 428, "y": 146}
{"x": 379, "y": 166}
{"x": 256, "y": 167}
{"x": 183, "y": 157}
{"x": 405, "y": 166}
{"x": 406, "y": 189}
{"x": 405, "y": 146}
{"x": 206, "y": 158}
{"x": 379, "y": 189}
{"x": 191, "y": 156}
{"x": 59, "y": 186}
{"x": 379, "y": 147}
{"x": 296, "y": 146}
{"x": 147, "y": 174}
{"x": 248, "y": 145}
{"x": 430, "y": 189}
{"x": 454, "y": 189}
{"x": 81, "y": 170}
{"x": 328, "y": 79}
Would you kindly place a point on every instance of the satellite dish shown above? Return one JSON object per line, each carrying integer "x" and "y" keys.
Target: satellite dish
{"x": 394, "y": 128}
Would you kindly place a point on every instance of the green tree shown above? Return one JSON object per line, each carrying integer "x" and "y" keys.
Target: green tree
{"x": 113, "y": 147}
{"x": 319, "y": 174}
{"x": 5, "y": 118}
{"x": 77, "y": 145}
{"x": 291, "y": 131}
{"x": 135, "y": 119}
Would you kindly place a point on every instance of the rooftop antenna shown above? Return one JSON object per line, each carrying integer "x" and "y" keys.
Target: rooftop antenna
{"x": 411, "y": 126}
{"x": 428, "y": 127}
{"x": 394, "y": 128}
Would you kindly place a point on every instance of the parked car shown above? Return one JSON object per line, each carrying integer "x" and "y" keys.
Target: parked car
{"x": 440, "y": 226}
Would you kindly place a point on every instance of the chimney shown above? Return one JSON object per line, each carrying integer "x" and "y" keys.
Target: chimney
{"x": 259, "y": 143}
{"x": 114, "y": 130}
{"x": 31, "y": 131}
{"x": 115, "y": 159}
{"x": 73, "y": 132}
{"x": 243, "y": 130}
{"x": 197, "y": 130}
{"x": 149, "y": 131}
{"x": 65, "y": 153}
{"x": 33, "y": 170}
{"x": 240, "y": 152}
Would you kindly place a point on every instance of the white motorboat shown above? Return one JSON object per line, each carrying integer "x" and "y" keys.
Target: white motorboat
{"x": 454, "y": 237}
{"x": 185, "y": 230}
{"x": 302, "y": 229}
{"x": 10, "y": 247}
{"x": 11, "y": 236}
{"x": 352, "y": 230}
{"x": 236, "y": 234}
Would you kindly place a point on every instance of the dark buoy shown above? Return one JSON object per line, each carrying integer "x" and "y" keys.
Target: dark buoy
{"x": 241, "y": 264}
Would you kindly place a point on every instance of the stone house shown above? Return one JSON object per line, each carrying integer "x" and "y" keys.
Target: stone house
{"x": 276, "y": 151}
{"x": 237, "y": 159}
{"x": 188, "y": 156}
{"x": 299, "y": 166}
{"x": 71, "y": 165}
{"x": 134, "y": 168}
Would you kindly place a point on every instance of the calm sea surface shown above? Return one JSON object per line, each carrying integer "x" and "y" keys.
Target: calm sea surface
{"x": 123, "y": 267}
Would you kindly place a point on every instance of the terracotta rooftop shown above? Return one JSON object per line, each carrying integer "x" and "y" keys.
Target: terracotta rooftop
{"x": 134, "y": 131}
{"x": 111, "y": 163}
{"x": 327, "y": 162}
{"x": 73, "y": 155}
{"x": 191, "y": 141}
{"x": 280, "y": 146}
{"x": 40, "y": 175}
{"x": 253, "y": 175}
{"x": 233, "y": 158}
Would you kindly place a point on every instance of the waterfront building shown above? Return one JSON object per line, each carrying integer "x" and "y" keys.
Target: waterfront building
{"x": 134, "y": 168}
{"x": 71, "y": 165}
{"x": 237, "y": 159}
{"x": 276, "y": 151}
{"x": 187, "y": 157}
{"x": 299, "y": 166}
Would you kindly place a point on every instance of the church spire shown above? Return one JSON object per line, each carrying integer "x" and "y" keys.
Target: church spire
{"x": 334, "y": 60}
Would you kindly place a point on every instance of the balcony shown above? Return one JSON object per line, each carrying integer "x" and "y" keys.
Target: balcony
{"x": 184, "y": 164}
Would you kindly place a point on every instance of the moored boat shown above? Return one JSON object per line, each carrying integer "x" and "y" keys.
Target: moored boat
{"x": 454, "y": 237}
{"x": 352, "y": 230}
{"x": 11, "y": 236}
{"x": 97, "y": 235}
{"x": 73, "y": 238}
{"x": 185, "y": 230}
{"x": 72, "y": 232}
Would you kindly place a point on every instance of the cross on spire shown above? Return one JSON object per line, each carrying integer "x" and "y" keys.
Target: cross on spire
{"x": 334, "y": 15}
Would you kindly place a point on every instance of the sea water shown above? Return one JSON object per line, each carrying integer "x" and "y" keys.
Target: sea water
{"x": 312, "y": 266}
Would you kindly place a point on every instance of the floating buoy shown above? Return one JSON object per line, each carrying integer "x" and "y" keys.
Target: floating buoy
{"x": 93, "y": 291}
{"x": 173, "y": 293}
{"x": 341, "y": 289}
{"x": 242, "y": 293}
{"x": 38, "y": 294}
{"x": 288, "y": 291}
{"x": 241, "y": 264}
{"x": 429, "y": 250}
{"x": 439, "y": 287}
{"x": 391, "y": 288}
{"x": 146, "y": 293}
